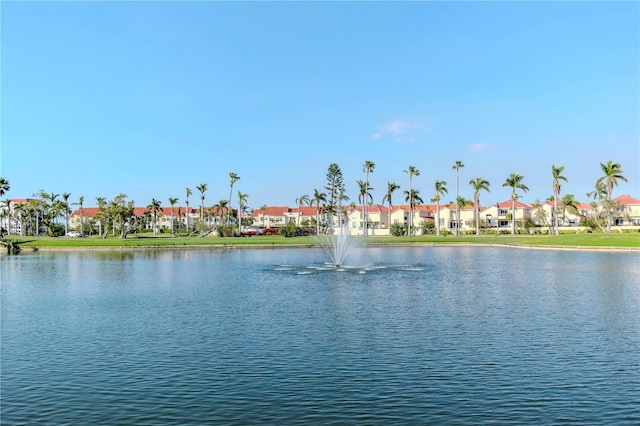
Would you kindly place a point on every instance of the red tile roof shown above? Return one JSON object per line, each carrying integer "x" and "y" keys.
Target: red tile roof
{"x": 626, "y": 200}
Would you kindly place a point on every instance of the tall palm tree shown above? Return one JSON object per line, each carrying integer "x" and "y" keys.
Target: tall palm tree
{"x": 412, "y": 171}
{"x": 413, "y": 198}
{"x": 202, "y": 188}
{"x": 187, "y": 211}
{"x": 515, "y": 182}
{"x": 363, "y": 196}
{"x": 172, "y": 203}
{"x": 457, "y": 166}
{"x": 391, "y": 188}
{"x": 478, "y": 184}
{"x": 66, "y": 210}
{"x": 612, "y": 173}
{"x": 441, "y": 189}
{"x": 300, "y": 201}
{"x": 4, "y": 186}
{"x": 242, "y": 202}
{"x": 219, "y": 210}
{"x": 368, "y": 167}
{"x": 318, "y": 198}
{"x": 154, "y": 207}
{"x": 557, "y": 177}
{"x": 233, "y": 178}
{"x": 81, "y": 202}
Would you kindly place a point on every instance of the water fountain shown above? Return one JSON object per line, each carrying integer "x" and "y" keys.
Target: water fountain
{"x": 337, "y": 241}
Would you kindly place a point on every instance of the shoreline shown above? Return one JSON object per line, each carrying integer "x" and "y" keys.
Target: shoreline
{"x": 307, "y": 246}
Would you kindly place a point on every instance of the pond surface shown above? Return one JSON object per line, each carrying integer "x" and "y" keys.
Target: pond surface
{"x": 401, "y": 335}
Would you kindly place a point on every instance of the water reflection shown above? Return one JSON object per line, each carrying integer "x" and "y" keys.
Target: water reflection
{"x": 401, "y": 335}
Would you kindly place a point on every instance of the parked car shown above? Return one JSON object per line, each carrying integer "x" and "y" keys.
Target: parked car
{"x": 75, "y": 234}
{"x": 252, "y": 230}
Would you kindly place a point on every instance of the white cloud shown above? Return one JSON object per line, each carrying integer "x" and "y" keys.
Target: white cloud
{"x": 402, "y": 130}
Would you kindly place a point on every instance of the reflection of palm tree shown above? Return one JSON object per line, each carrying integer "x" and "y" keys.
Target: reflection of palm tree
{"x": 172, "y": 203}
{"x": 557, "y": 177}
{"x": 515, "y": 182}
{"x": 233, "y": 178}
{"x": 391, "y": 188}
{"x": 412, "y": 171}
{"x": 478, "y": 184}
{"x": 612, "y": 172}
{"x": 441, "y": 189}
{"x": 457, "y": 166}
{"x": 368, "y": 167}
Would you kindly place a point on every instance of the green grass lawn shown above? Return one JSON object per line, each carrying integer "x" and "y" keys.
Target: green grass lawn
{"x": 575, "y": 240}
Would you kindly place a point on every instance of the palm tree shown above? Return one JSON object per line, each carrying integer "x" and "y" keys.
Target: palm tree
{"x": 4, "y": 186}
{"x": 391, "y": 187}
{"x": 81, "y": 202}
{"x": 219, "y": 210}
{"x": 412, "y": 171}
{"x": 318, "y": 197}
{"x": 478, "y": 184}
{"x": 363, "y": 196}
{"x": 202, "y": 188}
{"x": 263, "y": 210}
{"x": 569, "y": 203}
{"x": 457, "y": 166}
{"x": 154, "y": 208}
{"x": 612, "y": 172}
{"x": 557, "y": 177}
{"x": 515, "y": 182}
{"x": 233, "y": 178}
{"x": 186, "y": 212}
{"x": 172, "y": 203}
{"x": 66, "y": 210}
{"x": 242, "y": 201}
{"x": 441, "y": 189}
{"x": 413, "y": 198}
{"x": 368, "y": 167}
{"x": 300, "y": 201}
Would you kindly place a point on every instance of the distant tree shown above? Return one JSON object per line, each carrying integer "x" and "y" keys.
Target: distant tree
{"x": 202, "y": 188}
{"x": 4, "y": 186}
{"x": 478, "y": 184}
{"x": 233, "y": 178}
{"x": 301, "y": 201}
{"x": 515, "y": 182}
{"x": 242, "y": 202}
{"x": 556, "y": 173}
{"x": 335, "y": 188}
{"x": 391, "y": 188}
{"x": 457, "y": 166}
{"x": 368, "y": 167}
{"x": 441, "y": 189}
{"x": 319, "y": 198}
{"x": 154, "y": 207}
{"x": 413, "y": 198}
{"x": 411, "y": 171}
{"x": 187, "y": 211}
{"x": 612, "y": 173}
{"x": 364, "y": 197}
{"x": 172, "y": 203}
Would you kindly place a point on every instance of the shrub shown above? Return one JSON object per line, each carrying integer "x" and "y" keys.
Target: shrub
{"x": 398, "y": 229}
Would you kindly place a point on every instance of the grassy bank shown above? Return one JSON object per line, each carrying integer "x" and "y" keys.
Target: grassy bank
{"x": 627, "y": 240}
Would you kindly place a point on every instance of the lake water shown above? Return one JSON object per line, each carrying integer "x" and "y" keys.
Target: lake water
{"x": 404, "y": 335}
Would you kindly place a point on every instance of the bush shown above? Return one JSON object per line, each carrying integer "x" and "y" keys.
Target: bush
{"x": 398, "y": 229}
{"x": 428, "y": 227}
{"x": 270, "y": 231}
{"x": 228, "y": 231}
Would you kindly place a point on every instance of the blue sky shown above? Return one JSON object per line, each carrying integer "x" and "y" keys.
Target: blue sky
{"x": 147, "y": 98}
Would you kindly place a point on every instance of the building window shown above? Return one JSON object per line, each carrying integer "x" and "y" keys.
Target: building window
{"x": 503, "y": 212}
